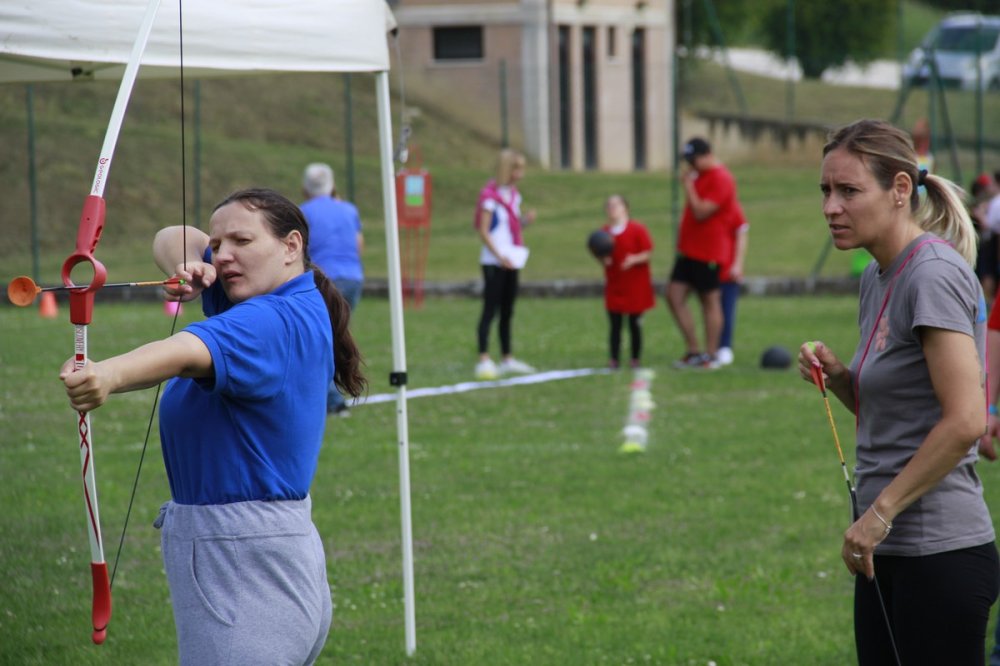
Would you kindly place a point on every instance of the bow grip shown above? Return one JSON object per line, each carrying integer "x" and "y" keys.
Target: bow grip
{"x": 100, "y": 613}
{"x": 81, "y": 300}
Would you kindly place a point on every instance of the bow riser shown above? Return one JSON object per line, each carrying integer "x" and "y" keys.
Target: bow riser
{"x": 81, "y": 301}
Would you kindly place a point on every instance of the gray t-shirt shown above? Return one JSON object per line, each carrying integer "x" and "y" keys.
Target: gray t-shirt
{"x": 931, "y": 285}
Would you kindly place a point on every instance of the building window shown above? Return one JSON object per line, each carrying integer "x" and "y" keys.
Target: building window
{"x": 458, "y": 43}
{"x": 565, "y": 113}
{"x": 612, "y": 46}
{"x": 589, "y": 58}
{"x": 639, "y": 98}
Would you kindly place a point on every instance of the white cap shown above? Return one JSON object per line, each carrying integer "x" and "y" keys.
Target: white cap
{"x": 318, "y": 179}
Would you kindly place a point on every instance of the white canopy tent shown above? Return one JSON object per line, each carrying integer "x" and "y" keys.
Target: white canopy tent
{"x": 52, "y": 40}
{"x": 46, "y": 40}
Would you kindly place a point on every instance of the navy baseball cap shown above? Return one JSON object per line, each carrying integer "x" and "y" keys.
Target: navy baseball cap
{"x": 695, "y": 147}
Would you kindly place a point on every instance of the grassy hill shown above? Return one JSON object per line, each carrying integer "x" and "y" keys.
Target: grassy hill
{"x": 262, "y": 130}
{"x": 254, "y": 131}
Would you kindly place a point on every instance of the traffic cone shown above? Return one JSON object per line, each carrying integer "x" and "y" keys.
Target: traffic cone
{"x": 47, "y": 307}
{"x": 171, "y": 308}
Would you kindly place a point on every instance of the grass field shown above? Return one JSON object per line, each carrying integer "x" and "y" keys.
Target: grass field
{"x": 535, "y": 541}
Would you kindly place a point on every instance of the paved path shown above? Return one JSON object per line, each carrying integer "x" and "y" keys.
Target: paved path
{"x": 878, "y": 74}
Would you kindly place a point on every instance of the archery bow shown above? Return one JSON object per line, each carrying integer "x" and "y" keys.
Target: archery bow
{"x": 81, "y": 307}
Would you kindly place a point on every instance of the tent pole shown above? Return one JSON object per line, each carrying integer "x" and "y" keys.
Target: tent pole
{"x": 398, "y": 376}
{"x": 33, "y": 183}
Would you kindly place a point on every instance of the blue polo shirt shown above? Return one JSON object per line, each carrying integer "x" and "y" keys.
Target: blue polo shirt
{"x": 254, "y": 430}
{"x": 334, "y": 226}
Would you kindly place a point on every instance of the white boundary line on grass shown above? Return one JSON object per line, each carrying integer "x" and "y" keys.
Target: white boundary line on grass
{"x": 640, "y": 412}
{"x": 465, "y": 387}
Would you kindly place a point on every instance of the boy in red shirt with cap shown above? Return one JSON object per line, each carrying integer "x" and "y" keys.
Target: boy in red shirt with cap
{"x": 710, "y": 203}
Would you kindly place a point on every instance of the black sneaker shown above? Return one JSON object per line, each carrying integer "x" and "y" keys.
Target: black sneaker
{"x": 690, "y": 360}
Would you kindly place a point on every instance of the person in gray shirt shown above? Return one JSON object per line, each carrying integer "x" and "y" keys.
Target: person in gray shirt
{"x": 915, "y": 385}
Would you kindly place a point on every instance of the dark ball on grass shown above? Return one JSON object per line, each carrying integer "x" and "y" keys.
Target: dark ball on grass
{"x": 775, "y": 358}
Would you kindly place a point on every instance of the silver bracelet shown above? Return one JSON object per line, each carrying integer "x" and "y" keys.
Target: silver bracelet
{"x": 888, "y": 525}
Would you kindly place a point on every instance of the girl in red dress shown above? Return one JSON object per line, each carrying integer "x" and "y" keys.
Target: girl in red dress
{"x": 628, "y": 288}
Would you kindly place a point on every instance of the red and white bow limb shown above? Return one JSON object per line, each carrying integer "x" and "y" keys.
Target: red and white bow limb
{"x": 81, "y": 309}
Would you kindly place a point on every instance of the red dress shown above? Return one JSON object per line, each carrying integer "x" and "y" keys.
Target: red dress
{"x": 629, "y": 291}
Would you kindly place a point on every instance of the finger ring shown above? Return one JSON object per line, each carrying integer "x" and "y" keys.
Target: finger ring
{"x": 857, "y": 556}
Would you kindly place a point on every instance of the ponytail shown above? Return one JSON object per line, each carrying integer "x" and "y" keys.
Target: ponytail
{"x": 944, "y": 214}
{"x": 346, "y": 356}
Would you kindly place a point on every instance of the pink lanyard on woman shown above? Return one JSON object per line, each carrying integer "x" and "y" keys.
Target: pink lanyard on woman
{"x": 871, "y": 336}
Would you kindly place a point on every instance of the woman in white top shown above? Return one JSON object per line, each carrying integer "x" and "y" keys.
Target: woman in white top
{"x": 499, "y": 221}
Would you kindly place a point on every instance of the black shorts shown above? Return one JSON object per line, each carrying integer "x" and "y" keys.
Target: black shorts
{"x": 702, "y": 276}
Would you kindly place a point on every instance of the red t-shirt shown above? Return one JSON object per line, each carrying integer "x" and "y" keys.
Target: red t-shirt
{"x": 733, "y": 230}
{"x": 629, "y": 291}
{"x": 993, "y": 323}
{"x": 705, "y": 240}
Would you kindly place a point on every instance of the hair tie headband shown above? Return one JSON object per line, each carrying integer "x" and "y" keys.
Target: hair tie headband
{"x": 921, "y": 177}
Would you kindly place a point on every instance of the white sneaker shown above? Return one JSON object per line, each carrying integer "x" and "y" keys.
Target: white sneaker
{"x": 724, "y": 356}
{"x": 513, "y": 366}
{"x": 487, "y": 370}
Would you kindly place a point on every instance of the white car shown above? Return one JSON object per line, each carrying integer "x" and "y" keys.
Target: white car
{"x": 953, "y": 45}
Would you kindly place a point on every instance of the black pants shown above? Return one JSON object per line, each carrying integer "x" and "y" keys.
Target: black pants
{"x": 939, "y": 606}
{"x": 499, "y": 293}
{"x": 634, "y": 332}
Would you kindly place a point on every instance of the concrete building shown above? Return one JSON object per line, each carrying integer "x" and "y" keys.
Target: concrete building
{"x": 577, "y": 84}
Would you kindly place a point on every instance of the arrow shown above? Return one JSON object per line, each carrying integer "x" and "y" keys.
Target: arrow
{"x": 22, "y": 290}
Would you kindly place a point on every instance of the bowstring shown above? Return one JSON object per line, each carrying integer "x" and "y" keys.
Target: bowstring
{"x": 177, "y": 311}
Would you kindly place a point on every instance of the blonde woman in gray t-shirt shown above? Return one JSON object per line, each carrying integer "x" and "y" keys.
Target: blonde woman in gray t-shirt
{"x": 915, "y": 384}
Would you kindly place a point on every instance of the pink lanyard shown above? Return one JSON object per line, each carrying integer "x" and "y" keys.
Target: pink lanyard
{"x": 871, "y": 336}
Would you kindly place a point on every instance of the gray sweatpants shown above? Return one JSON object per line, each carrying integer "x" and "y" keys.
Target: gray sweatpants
{"x": 247, "y": 582}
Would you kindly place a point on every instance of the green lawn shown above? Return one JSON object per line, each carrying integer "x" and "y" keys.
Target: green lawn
{"x": 535, "y": 540}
